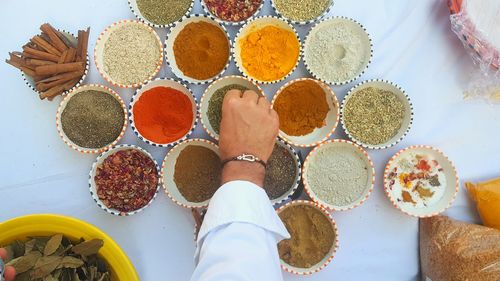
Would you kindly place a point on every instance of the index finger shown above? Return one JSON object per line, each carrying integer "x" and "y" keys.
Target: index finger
{"x": 232, "y": 94}
{"x": 3, "y": 253}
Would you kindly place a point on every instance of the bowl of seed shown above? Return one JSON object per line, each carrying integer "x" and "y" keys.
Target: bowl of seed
{"x": 212, "y": 98}
{"x": 128, "y": 53}
{"x": 308, "y": 110}
{"x": 338, "y": 174}
{"x": 91, "y": 118}
{"x": 234, "y": 12}
{"x": 302, "y": 11}
{"x": 163, "y": 112}
{"x": 160, "y": 13}
{"x": 314, "y": 238}
{"x": 198, "y": 49}
{"x": 376, "y": 114}
{"x": 337, "y": 50}
{"x": 124, "y": 180}
{"x": 191, "y": 173}
{"x": 267, "y": 49}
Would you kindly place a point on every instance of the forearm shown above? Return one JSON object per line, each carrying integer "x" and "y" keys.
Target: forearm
{"x": 246, "y": 171}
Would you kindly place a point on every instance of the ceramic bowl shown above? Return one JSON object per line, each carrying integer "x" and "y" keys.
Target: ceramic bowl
{"x": 302, "y": 22}
{"x": 231, "y": 23}
{"x": 137, "y": 13}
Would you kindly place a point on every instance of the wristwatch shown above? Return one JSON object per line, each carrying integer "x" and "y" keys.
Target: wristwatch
{"x": 247, "y": 158}
{"x": 2, "y": 269}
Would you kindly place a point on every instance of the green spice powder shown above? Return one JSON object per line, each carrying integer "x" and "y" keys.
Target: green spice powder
{"x": 163, "y": 11}
{"x": 374, "y": 116}
{"x": 92, "y": 119}
{"x": 280, "y": 172}
{"x": 215, "y": 105}
{"x": 302, "y": 10}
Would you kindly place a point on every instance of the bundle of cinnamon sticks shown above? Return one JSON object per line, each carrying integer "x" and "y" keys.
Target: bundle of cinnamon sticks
{"x": 55, "y": 64}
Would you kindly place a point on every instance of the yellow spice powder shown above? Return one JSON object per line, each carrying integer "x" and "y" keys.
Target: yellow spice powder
{"x": 269, "y": 53}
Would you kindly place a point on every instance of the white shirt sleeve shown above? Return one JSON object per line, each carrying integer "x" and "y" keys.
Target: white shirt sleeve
{"x": 238, "y": 238}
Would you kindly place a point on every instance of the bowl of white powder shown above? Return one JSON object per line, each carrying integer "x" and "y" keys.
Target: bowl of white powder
{"x": 338, "y": 174}
{"x": 337, "y": 50}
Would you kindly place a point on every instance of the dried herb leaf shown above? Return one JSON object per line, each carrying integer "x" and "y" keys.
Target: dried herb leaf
{"x": 17, "y": 248}
{"x": 52, "y": 245}
{"x": 25, "y": 276}
{"x": 29, "y": 246}
{"x": 70, "y": 262}
{"x": 88, "y": 248}
{"x": 44, "y": 266}
{"x": 40, "y": 243}
{"x": 25, "y": 263}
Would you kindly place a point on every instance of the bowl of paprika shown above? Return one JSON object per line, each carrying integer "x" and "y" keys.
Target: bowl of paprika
{"x": 163, "y": 112}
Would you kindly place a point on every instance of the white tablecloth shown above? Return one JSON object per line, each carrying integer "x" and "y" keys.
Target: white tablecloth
{"x": 413, "y": 47}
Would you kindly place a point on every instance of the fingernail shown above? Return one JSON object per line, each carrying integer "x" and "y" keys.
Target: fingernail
{"x": 2, "y": 269}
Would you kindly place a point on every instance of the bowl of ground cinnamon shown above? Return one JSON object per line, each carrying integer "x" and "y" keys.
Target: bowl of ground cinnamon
{"x": 267, "y": 49}
{"x": 91, "y": 118}
{"x": 191, "y": 173}
{"x": 198, "y": 49}
{"x": 163, "y": 112}
{"x": 211, "y": 101}
{"x": 308, "y": 110}
{"x": 314, "y": 238}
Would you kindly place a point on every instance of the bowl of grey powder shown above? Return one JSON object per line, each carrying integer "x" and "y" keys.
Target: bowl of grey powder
{"x": 212, "y": 98}
{"x": 337, "y": 50}
{"x": 91, "y": 118}
{"x": 302, "y": 11}
{"x": 128, "y": 53}
{"x": 338, "y": 174}
{"x": 160, "y": 13}
{"x": 376, "y": 114}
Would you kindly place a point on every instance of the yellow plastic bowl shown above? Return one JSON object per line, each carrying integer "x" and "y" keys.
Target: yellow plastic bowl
{"x": 44, "y": 225}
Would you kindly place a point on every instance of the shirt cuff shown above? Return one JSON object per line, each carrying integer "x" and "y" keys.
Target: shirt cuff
{"x": 245, "y": 202}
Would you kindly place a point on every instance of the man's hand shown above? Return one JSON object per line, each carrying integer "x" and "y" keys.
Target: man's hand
{"x": 10, "y": 272}
{"x": 250, "y": 126}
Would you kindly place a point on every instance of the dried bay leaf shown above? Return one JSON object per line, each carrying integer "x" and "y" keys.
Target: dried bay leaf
{"x": 25, "y": 276}
{"x": 50, "y": 278}
{"x": 45, "y": 265}
{"x": 25, "y": 263}
{"x": 17, "y": 248}
{"x": 29, "y": 246}
{"x": 52, "y": 244}
{"x": 70, "y": 262}
{"x": 88, "y": 248}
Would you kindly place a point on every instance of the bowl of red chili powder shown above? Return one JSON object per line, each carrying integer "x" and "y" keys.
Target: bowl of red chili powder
{"x": 124, "y": 180}
{"x": 163, "y": 112}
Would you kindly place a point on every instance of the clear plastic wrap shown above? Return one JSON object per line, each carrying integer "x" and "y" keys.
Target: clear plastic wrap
{"x": 477, "y": 25}
{"x": 457, "y": 251}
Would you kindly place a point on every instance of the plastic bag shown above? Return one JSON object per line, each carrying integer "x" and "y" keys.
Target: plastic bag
{"x": 487, "y": 198}
{"x": 457, "y": 251}
{"x": 477, "y": 25}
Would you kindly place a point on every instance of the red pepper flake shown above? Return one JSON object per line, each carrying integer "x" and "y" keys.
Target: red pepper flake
{"x": 423, "y": 165}
{"x": 233, "y": 10}
{"x": 126, "y": 180}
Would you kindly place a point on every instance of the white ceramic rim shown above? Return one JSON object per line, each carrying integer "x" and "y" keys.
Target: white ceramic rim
{"x": 135, "y": 98}
{"x": 93, "y": 188}
{"x": 232, "y": 23}
{"x": 355, "y": 203}
{"x": 139, "y": 16}
{"x": 62, "y": 106}
{"x": 410, "y": 114}
{"x": 276, "y": 10}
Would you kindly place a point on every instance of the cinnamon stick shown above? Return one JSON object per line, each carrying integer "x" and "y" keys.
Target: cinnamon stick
{"x": 59, "y": 68}
{"x": 40, "y": 54}
{"x": 28, "y": 71}
{"x": 37, "y": 62}
{"x": 45, "y": 45}
{"x": 54, "y": 37}
{"x": 62, "y": 58}
{"x": 65, "y": 40}
{"x": 57, "y": 90}
{"x": 43, "y": 86}
{"x": 85, "y": 44}
{"x": 71, "y": 55}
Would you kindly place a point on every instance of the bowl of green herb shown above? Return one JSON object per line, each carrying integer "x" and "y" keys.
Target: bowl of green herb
{"x": 160, "y": 13}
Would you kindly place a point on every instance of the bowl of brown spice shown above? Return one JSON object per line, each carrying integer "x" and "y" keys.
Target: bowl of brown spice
{"x": 212, "y": 98}
{"x": 124, "y": 180}
{"x": 308, "y": 110}
{"x": 198, "y": 49}
{"x": 160, "y": 13}
{"x": 302, "y": 11}
{"x": 128, "y": 53}
{"x": 376, "y": 114}
{"x": 191, "y": 173}
{"x": 314, "y": 238}
{"x": 91, "y": 118}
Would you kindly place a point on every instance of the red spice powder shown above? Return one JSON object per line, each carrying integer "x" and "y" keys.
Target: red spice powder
{"x": 163, "y": 115}
{"x": 233, "y": 10}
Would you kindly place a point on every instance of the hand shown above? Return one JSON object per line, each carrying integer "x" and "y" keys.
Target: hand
{"x": 250, "y": 126}
{"x": 10, "y": 272}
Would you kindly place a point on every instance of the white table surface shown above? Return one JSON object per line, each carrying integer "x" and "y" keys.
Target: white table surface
{"x": 413, "y": 47}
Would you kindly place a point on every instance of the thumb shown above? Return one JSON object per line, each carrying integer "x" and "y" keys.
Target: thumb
{"x": 8, "y": 272}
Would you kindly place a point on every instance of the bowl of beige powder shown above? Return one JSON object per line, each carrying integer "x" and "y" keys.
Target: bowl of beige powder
{"x": 128, "y": 53}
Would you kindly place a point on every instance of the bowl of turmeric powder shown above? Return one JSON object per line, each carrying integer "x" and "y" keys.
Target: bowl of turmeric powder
{"x": 308, "y": 110}
{"x": 267, "y": 49}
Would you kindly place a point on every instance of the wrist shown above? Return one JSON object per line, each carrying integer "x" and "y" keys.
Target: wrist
{"x": 243, "y": 170}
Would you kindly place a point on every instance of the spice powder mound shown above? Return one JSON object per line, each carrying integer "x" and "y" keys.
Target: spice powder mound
{"x": 197, "y": 173}
{"x": 374, "y": 116}
{"x": 131, "y": 54}
{"x": 302, "y": 10}
{"x": 312, "y": 236}
{"x": 127, "y": 180}
{"x": 281, "y": 171}
{"x": 201, "y": 50}
{"x": 214, "y": 112}
{"x": 92, "y": 119}
{"x": 233, "y": 10}
{"x": 163, "y": 12}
